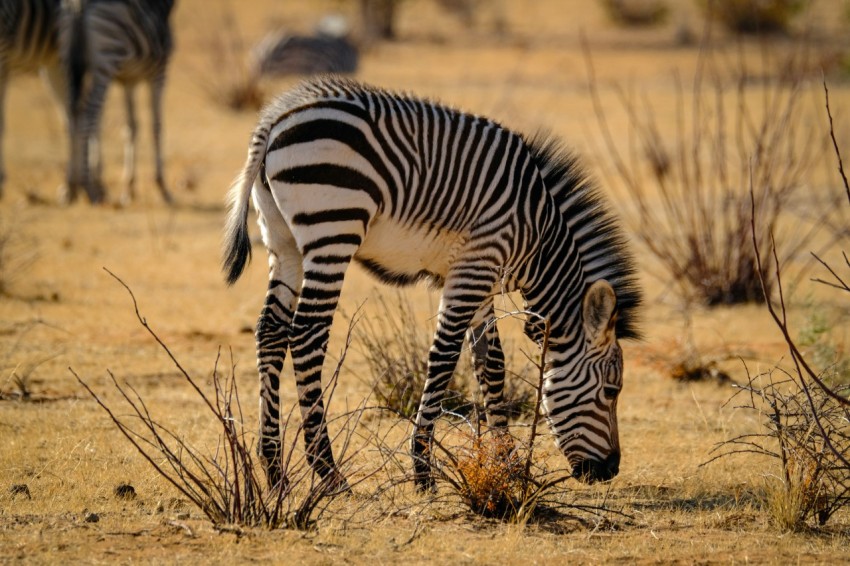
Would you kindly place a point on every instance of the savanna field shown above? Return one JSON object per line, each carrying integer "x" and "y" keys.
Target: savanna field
{"x": 658, "y": 111}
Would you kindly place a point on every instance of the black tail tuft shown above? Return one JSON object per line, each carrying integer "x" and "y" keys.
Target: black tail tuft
{"x": 237, "y": 253}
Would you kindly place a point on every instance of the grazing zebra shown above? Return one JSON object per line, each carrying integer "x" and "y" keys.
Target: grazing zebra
{"x": 417, "y": 191}
{"x": 124, "y": 40}
{"x": 29, "y": 37}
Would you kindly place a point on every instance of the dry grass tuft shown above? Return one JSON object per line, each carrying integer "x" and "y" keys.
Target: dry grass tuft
{"x": 394, "y": 344}
{"x": 491, "y": 470}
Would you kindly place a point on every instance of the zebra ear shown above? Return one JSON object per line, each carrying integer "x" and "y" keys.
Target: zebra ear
{"x": 600, "y": 312}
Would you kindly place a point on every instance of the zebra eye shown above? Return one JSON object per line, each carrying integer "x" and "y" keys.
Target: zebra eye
{"x": 610, "y": 391}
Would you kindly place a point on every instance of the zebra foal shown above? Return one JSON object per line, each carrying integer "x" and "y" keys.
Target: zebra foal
{"x": 29, "y": 41}
{"x": 128, "y": 41}
{"x": 413, "y": 190}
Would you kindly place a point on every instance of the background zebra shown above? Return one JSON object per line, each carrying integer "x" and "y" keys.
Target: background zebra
{"x": 413, "y": 190}
{"x": 29, "y": 41}
{"x": 281, "y": 53}
{"x": 124, "y": 40}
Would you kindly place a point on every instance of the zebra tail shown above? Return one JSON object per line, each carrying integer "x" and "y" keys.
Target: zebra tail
{"x": 237, "y": 244}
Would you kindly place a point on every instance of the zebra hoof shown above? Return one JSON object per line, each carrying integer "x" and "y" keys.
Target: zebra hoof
{"x": 336, "y": 484}
{"x": 66, "y": 194}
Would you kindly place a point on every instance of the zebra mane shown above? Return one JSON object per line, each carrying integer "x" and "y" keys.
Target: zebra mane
{"x": 601, "y": 242}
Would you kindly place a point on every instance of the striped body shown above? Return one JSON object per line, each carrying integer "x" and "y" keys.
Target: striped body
{"x": 128, "y": 41}
{"x": 29, "y": 39}
{"x": 413, "y": 190}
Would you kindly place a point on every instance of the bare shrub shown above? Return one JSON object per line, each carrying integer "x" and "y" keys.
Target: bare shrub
{"x": 753, "y": 16}
{"x": 496, "y": 475}
{"x": 636, "y": 12}
{"x": 490, "y": 473}
{"x": 806, "y": 421}
{"x": 807, "y": 431}
{"x": 689, "y": 188}
{"x": 228, "y": 486}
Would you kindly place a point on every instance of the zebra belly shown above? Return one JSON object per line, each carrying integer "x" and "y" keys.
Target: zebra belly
{"x": 402, "y": 255}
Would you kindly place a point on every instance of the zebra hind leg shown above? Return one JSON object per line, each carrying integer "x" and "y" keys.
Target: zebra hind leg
{"x": 272, "y": 337}
{"x": 323, "y": 278}
{"x": 156, "y": 86}
{"x": 129, "y": 146}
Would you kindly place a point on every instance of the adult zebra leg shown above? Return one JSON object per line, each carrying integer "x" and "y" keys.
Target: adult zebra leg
{"x": 156, "y": 86}
{"x": 467, "y": 288}
{"x": 86, "y": 170}
{"x": 4, "y": 76}
{"x": 488, "y": 363}
{"x": 130, "y": 131}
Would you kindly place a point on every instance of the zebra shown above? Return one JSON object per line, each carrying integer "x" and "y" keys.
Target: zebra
{"x": 280, "y": 53}
{"x": 29, "y": 41}
{"x": 413, "y": 190}
{"x": 124, "y": 40}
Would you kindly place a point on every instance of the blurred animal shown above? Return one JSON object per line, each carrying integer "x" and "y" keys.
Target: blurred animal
{"x": 328, "y": 50}
{"x": 413, "y": 190}
{"x": 29, "y": 41}
{"x": 128, "y": 41}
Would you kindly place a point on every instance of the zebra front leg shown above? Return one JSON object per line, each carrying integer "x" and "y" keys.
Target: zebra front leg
{"x": 130, "y": 131}
{"x": 466, "y": 290}
{"x": 488, "y": 362}
{"x": 156, "y": 86}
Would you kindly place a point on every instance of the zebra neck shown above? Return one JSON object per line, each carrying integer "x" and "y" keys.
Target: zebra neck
{"x": 553, "y": 286}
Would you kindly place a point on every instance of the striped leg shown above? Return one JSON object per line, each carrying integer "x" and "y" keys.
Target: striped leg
{"x": 130, "y": 131}
{"x": 156, "y": 86}
{"x": 274, "y": 329}
{"x": 86, "y": 142}
{"x": 323, "y": 277}
{"x": 468, "y": 286}
{"x": 488, "y": 362}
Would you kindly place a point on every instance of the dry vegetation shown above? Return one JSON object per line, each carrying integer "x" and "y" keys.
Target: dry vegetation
{"x": 73, "y": 488}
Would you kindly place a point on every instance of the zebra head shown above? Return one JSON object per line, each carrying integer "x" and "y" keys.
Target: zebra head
{"x": 583, "y": 381}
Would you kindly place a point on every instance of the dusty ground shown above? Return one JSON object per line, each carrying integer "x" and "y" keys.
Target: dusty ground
{"x": 61, "y": 310}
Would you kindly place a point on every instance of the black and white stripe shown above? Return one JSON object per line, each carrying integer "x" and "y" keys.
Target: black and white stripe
{"x": 128, "y": 41}
{"x": 29, "y": 41}
{"x": 414, "y": 190}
